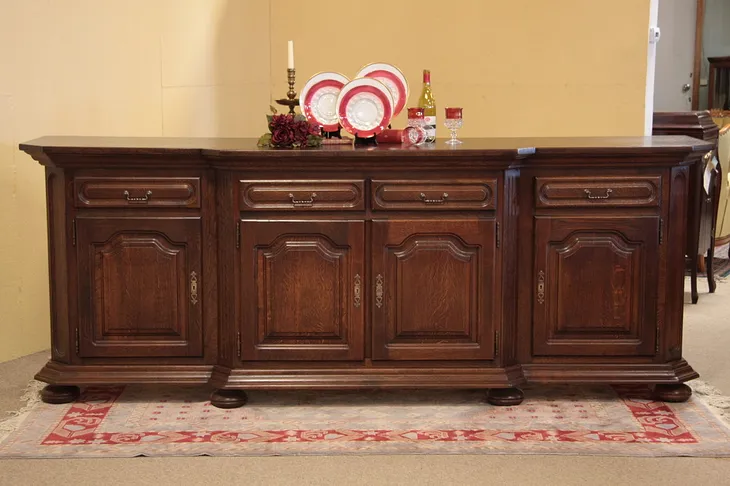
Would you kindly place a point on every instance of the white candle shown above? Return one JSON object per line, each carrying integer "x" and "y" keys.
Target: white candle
{"x": 291, "y": 55}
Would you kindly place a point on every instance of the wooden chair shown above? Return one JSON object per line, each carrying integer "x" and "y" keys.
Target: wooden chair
{"x": 709, "y": 209}
{"x": 722, "y": 231}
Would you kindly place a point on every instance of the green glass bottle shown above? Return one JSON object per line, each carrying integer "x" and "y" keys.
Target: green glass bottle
{"x": 428, "y": 103}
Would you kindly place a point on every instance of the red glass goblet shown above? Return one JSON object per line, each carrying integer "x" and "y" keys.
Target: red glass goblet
{"x": 453, "y": 122}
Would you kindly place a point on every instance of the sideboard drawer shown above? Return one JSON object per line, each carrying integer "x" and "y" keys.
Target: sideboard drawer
{"x": 301, "y": 194}
{"x": 137, "y": 191}
{"x": 429, "y": 195}
{"x": 642, "y": 191}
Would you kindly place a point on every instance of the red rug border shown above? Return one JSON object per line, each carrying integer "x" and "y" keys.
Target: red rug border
{"x": 659, "y": 423}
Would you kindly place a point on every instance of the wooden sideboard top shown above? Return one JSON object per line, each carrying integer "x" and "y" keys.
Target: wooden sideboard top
{"x": 77, "y": 144}
{"x": 533, "y": 149}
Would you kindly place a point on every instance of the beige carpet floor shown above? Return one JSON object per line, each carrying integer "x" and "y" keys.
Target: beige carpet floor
{"x": 706, "y": 347}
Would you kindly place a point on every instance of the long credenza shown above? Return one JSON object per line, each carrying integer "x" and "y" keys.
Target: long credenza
{"x": 491, "y": 264}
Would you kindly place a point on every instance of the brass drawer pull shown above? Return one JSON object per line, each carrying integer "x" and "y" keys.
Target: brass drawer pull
{"x": 435, "y": 201}
{"x": 358, "y": 291}
{"x": 193, "y": 288}
{"x": 379, "y": 291}
{"x": 541, "y": 287}
{"x": 608, "y": 194}
{"x": 144, "y": 198}
{"x": 303, "y": 202}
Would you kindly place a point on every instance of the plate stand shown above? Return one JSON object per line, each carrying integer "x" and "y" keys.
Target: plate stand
{"x": 366, "y": 141}
{"x": 333, "y": 134}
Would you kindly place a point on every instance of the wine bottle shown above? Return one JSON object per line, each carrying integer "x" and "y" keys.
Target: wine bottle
{"x": 428, "y": 103}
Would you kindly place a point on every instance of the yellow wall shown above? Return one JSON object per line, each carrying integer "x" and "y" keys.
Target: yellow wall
{"x": 204, "y": 68}
{"x": 518, "y": 67}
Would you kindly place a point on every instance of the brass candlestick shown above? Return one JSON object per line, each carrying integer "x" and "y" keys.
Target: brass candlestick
{"x": 291, "y": 96}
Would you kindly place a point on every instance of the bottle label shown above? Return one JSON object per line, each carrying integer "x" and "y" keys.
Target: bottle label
{"x": 429, "y": 123}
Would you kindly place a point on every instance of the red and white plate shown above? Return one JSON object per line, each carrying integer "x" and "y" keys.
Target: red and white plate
{"x": 365, "y": 107}
{"x": 318, "y": 99}
{"x": 393, "y": 78}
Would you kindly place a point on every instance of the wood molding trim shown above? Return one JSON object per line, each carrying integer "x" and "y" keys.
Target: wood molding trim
{"x": 699, "y": 31}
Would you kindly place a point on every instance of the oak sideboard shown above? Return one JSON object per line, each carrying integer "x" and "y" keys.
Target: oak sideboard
{"x": 491, "y": 264}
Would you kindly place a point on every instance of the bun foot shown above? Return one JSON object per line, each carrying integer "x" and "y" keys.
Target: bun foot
{"x": 505, "y": 397}
{"x": 228, "y": 398}
{"x": 672, "y": 393}
{"x": 58, "y": 394}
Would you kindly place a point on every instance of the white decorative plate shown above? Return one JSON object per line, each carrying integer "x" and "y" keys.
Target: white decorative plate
{"x": 365, "y": 107}
{"x": 393, "y": 78}
{"x": 318, "y": 99}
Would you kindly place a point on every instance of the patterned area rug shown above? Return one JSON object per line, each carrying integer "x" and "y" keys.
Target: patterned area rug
{"x": 721, "y": 262}
{"x": 115, "y": 421}
{"x": 721, "y": 268}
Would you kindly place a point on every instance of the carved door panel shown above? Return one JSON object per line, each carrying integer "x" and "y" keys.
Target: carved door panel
{"x": 596, "y": 285}
{"x": 140, "y": 287}
{"x": 433, "y": 285}
{"x": 302, "y": 290}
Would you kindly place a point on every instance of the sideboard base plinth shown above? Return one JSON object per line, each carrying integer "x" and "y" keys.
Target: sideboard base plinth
{"x": 505, "y": 397}
{"x": 58, "y": 394}
{"x": 228, "y": 398}
{"x": 674, "y": 393}
{"x": 56, "y": 373}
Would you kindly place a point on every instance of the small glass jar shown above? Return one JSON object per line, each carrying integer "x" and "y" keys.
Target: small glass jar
{"x": 415, "y": 132}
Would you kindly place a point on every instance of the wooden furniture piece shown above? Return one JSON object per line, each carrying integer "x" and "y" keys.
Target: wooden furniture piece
{"x": 703, "y": 205}
{"x": 487, "y": 265}
{"x": 712, "y": 187}
{"x": 722, "y": 231}
{"x": 718, "y": 90}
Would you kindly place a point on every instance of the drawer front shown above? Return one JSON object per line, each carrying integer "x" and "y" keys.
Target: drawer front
{"x": 434, "y": 195}
{"x": 642, "y": 191}
{"x": 301, "y": 194}
{"x": 137, "y": 191}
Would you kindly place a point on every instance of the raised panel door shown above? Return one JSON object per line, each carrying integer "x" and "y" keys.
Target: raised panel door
{"x": 302, "y": 290}
{"x": 140, "y": 287}
{"x": 433, "y": 284}
{"x": 596, "y": 285}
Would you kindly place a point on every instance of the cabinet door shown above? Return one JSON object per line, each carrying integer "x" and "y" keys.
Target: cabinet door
{"x": 140, "y": 287}
{"x": 433, "y": 286}
{"x": 302, "y": 290}
{"x": 595, "y": 285}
